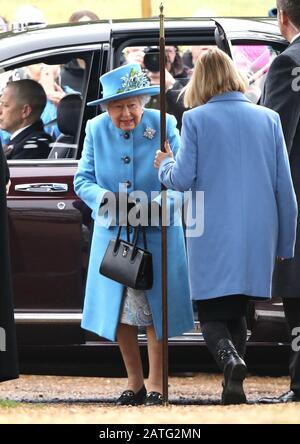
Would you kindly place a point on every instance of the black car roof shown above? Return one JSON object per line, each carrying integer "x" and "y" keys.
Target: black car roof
{"x": 13, "y": 44}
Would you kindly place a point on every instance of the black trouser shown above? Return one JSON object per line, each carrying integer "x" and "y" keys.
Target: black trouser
{"x": 234, "y": 329}
{"x": 292, "y": 314}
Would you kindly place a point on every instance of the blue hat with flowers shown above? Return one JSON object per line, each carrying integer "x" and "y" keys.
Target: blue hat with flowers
{"x": 125, "y": 81}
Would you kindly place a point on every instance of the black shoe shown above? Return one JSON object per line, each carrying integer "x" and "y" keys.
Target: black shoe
{"x": 154, "y": 398}
{"x": 128, "y": 397}
{"x": 284, "y": 398}
{"x": 234, "y": 370}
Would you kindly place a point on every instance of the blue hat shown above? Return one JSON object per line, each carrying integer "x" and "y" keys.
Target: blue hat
{"x": 125, "y": 81}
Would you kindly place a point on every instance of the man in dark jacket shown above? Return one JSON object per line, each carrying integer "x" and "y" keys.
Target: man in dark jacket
{"x": 282, "y": 94}
{"x": 8, "y": 347}
{"x": 21, "y": 105}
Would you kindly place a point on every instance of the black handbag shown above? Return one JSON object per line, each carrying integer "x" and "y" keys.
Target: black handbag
{"x": 127, "y": 263}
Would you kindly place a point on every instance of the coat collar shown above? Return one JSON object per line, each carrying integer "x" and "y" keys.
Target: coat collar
{"x": 229, "y": 96}
{"x": 297, "y": 40}
{"x": 36, "y": 126}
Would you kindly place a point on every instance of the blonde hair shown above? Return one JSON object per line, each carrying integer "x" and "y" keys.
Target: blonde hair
{"x": 214, "y": 73}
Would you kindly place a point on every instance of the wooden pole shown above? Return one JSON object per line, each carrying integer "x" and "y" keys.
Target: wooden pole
{"x": 164, "y": 247}
{"x": 146, "y": 8}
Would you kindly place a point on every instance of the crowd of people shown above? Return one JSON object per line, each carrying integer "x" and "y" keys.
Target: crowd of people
{"x": 251, "y": 185}
{"x": 61, "y": 80}
{"x": 29, "y": 15}
{"x": 21, "y": 140}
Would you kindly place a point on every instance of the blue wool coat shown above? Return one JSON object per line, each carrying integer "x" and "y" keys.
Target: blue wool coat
{"x": 234, "y": 152}
{"x": 108, "y": 160}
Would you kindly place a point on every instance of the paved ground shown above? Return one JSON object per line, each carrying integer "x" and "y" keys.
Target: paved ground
{"x": 194, "y": 399}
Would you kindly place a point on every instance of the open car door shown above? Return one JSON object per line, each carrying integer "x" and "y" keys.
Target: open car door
{"x": 252, "y": 48}
{"x": 221, "y": 39}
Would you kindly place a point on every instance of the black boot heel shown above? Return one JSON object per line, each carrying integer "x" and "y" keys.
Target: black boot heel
{"x": 235, "y": 371}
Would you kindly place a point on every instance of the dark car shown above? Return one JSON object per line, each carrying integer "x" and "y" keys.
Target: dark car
{"x": 50, "y": 228}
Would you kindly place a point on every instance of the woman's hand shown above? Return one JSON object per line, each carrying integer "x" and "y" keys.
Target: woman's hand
{"x": 56, "y": 95}
{"x": 160, "y": 155}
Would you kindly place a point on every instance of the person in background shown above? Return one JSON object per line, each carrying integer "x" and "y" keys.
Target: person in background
{"x": 174, "y": 87}
{"x": 21, "y": 105}
{"x": 176, "y": 76}
{"x": 282, "y": 94}
{"x": 49, "y": 77}
{"x": 174, "y": 63}
{"x": 72, "y": 73}
{"x": 254, "y": 62}
{"x": 83, "y": 15}
{"x": 8, "y": 344}
{"x": 251, "y": 58}
{"x": 250, "y": 209}
{"x": 133, "y": 54}
{"x": 117, "y": 155}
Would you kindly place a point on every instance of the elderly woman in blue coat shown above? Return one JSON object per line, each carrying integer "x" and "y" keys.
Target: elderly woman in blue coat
{"x": 118, "y": 157}
{"x": 234, "y": 152}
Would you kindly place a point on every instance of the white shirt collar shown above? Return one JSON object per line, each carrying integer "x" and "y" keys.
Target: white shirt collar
{"x": 295, "y": 37}
{"x": 18, "y": 132}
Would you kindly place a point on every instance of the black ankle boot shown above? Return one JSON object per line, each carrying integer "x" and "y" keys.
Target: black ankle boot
{"x": 234, "y": 370}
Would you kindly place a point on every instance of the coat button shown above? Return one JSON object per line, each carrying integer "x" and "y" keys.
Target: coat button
{"x": 127, "y": 183}
{"x": 126, "y": 135}
{"x": 126, "y": 159}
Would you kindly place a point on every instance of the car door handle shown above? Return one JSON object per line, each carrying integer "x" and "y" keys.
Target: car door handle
{"x": 42, "y": 187}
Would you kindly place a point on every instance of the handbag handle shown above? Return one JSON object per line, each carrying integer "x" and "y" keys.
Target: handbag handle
{"x": 135, "y": 239}
{"x": 118, "y": 237}
{"x": 136, "y": 236}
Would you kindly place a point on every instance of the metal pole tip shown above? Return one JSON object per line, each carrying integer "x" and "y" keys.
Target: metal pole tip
{"x": 161, "y": 8}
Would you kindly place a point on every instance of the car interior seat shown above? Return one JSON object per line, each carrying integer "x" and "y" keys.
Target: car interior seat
{"x": 68, "y": 114}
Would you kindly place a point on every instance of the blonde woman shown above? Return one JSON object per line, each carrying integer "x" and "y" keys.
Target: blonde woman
{"x": 234, "y": 152}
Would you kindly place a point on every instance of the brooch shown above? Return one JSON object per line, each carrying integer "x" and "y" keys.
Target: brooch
{"x": 149, "y": 133}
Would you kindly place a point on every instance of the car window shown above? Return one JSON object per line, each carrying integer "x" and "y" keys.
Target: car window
{"x": 254, "y": 62}
{"x": 64, "y": 83}
{"x": 180, "y": 61}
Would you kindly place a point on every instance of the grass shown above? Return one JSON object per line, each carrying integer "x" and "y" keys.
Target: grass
{"x": 58, "y": 11}
{"x": 6, "y": 403}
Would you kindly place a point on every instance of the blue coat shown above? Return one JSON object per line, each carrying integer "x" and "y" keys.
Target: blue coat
{"x": 234, "y": 152}
{"x": 109, "y": 159}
